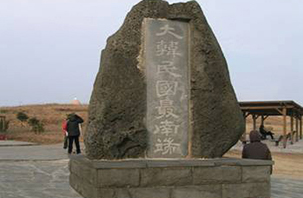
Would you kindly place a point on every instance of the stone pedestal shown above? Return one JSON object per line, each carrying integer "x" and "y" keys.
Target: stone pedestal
{"x": 196, "y": 178}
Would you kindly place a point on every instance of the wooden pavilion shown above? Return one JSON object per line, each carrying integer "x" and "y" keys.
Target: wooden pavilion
{"x": 264, "y": 109}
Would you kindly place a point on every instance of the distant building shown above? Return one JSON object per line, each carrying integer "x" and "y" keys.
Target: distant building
{"x": 75, "y": 101}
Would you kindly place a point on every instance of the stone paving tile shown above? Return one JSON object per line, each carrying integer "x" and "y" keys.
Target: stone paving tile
{"x": 286, "y": 188}
{"x": 40, "y": 152}
{"x": 35, "y": 179}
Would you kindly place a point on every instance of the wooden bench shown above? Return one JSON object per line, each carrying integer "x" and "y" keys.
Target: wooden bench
{"x": 279, "y": 140}
{"x": 264, "y": 134}
{"x": 288, "y": 137}
{"x": 293, "y": 134}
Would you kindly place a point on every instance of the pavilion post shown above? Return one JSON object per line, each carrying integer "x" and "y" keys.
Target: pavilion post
{"x": 262, "y": 120}
{"x": 297, "y": 128}
{"x": 254, "y": 117}
{"x": 300, "y": 127}
{"x": 244, "y": 134}
{"x": 291, "y": 128}
{"x": 284, "y": 127}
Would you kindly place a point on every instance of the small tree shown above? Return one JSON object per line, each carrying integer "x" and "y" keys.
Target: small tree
{"x": 37, "y": 126}
{"x": 4, "y": 125}
{"x": 22, "y": 117}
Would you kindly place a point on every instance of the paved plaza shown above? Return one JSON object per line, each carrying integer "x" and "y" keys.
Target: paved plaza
{"x": 35, "y": 179}
{"x": 33, "y": 171}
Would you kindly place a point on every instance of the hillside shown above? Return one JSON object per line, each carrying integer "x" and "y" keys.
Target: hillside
{"x": 51, "y": 116}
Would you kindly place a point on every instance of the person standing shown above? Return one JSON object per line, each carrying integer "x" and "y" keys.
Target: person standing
{"x": 256, "y": 149}
{"x": 73, "y": 130}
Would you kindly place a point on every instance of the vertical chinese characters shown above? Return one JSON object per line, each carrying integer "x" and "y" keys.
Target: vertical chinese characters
{"x": 166, "y": 62}
{"x": 166, "y": 126}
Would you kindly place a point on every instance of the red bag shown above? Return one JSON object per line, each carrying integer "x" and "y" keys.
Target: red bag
{"x": 64, "y": 127}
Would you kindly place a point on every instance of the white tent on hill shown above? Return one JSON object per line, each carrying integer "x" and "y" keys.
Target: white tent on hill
{"x": 75, "y": 101}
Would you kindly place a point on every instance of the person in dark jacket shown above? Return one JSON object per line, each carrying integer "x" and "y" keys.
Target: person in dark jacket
{"x": 73, "y": 130}
{"x": 265, "y": 133}
{"x": 256, "y": 149}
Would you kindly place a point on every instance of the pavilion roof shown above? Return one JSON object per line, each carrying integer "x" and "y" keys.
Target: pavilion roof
{"x": 271, "y": 108}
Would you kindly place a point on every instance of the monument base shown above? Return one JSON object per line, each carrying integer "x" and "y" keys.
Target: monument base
{"x": 195, "y": 178}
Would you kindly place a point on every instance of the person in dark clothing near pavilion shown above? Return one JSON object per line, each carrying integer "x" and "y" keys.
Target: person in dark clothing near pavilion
{"x": 256, "y": 149}
{"x": 73, "y": 130}
{"x": 264, "y": 132}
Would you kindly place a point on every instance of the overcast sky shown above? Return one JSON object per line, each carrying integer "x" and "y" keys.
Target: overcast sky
{"x": 50, "y": 49}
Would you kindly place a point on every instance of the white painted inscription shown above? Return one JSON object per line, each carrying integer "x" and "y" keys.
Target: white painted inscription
{"x": 166, "y": 63}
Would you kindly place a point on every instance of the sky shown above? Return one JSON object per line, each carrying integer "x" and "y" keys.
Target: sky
{"x": 50, "y": 49}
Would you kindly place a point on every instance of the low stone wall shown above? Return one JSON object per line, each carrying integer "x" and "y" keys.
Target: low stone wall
{"x": 213, "y": 178}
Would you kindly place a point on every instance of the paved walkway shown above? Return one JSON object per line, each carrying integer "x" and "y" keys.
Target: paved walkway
{"x": 286, "y": 188}
{"x": 34, "y": 153}
{"x": 35, "y": 179}
{"x": 34, "y": 171}
{"x": 42, "y": 172}
{"x": 15, "y": 143}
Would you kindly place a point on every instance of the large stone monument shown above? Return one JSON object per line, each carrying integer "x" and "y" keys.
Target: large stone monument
{"x": 163, "y": 69}
{"x": 162, "y": 103}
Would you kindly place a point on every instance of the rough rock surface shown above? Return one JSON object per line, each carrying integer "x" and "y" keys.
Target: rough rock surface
{"x": 117, "y": 109}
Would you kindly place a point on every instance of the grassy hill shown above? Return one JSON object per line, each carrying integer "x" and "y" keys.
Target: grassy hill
{"x": 51, "y": 115}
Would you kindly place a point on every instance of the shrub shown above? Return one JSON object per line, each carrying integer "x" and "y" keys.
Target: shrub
{"x": 22, "y": 117}
{"x": 37, "y": 126}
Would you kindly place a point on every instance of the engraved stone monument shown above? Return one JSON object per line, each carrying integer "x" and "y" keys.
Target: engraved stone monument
{"x": 163, "y": 70}
{"x": 163, "y": 112}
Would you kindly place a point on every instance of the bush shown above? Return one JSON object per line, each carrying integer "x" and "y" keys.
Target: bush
{"x": 22, "y": 117}
{"x": 37, "y": 126}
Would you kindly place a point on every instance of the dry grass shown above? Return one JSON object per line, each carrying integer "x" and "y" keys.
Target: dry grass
{"x": 51, "y": 116}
